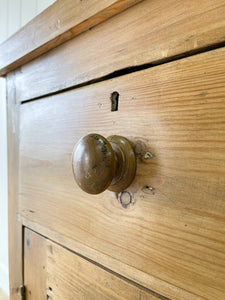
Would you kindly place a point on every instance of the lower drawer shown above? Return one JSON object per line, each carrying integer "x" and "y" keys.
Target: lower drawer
{"x": 173, "y": 232}
{"x": 52, "y": 271}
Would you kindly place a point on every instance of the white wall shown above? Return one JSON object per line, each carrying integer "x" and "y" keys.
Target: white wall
{"x": 13, "y": 15}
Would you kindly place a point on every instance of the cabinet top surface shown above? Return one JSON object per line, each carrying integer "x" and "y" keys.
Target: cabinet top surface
{"x": 58, "y": 23}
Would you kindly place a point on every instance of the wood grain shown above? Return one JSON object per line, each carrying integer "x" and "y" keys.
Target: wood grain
{"x": 35, "y": 265}
{"x": 15, "y": 226}
{"x": 60, "y": 22}
{"x": 150, "y": 32}
{"x": 53, "y": 271}
{"x": 174, "y": 228}
{"x": 108, "y": 262}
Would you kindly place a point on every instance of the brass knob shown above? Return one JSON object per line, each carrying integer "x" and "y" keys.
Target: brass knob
{"x": 100, "y": 163}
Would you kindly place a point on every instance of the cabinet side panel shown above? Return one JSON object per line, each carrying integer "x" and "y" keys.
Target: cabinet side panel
{"x": 15, "y": 225}
{"x": 35, "y": 265}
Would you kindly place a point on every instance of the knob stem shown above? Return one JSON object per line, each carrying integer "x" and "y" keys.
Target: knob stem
{"x": 125, "y": 163}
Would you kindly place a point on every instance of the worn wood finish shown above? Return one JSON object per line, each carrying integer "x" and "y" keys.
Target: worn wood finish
{"x": 174, "y": 228}
{"x": 35, "y": 266}
{"x": 60, "y": 22}
{"x": 149, "y": 32}
{"x": 125, "y": 163}
{"x": 108, "y": 262}
{"x": 94, "y": 163}
{"x": 15, "y": 225}
{"x": 99, "y": 163}
{"x": 53, "y": 271}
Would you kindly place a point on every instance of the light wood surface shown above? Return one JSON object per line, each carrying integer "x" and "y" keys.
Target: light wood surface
{"x": 150, "y": 32}
{"x": 174, "y": 228}
{"x": 60, "y": 22}
{"x": 15, "y": 225}
{"x": 110, "y": 263}
{"x": 53, "y": 271}
{"x": 35, "y": 265}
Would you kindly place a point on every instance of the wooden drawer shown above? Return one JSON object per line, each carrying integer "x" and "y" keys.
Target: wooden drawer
{"x": 51, "y": 270}
{"x": 171, "y": 238}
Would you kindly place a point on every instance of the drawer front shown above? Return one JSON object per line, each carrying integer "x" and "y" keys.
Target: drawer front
{"x": 52, "y": 271}
{"x": 173, "y": 231}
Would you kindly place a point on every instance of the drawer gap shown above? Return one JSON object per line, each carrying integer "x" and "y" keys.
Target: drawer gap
{"x": 132, "y": 69}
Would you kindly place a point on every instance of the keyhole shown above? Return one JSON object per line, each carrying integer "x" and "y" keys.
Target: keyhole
{"x": 114, "y": 101}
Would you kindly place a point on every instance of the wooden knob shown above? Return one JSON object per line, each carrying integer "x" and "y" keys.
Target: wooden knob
{"x": 100, "y": 163}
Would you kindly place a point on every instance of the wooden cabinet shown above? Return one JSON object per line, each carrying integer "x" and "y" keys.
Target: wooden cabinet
{"x": 60, "y": 274}
{"x": 163, "y": 237}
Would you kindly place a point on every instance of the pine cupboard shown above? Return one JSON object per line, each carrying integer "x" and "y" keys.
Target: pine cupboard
{"x": 120, "y": 81}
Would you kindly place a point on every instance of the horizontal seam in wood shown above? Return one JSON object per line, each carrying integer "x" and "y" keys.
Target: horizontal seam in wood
{"x": 102, "y": 267}
{"x": 132, "y": 69}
